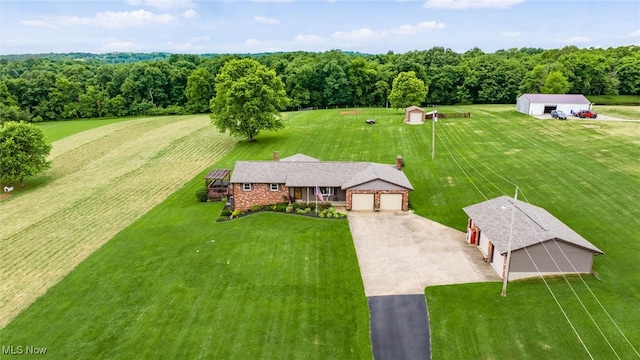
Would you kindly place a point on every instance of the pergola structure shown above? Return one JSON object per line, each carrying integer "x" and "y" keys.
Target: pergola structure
{"x": 217, "y": 183}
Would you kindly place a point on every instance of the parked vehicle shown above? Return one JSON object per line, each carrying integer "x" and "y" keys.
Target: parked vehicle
{"x": 586, "y": 114}
{"x": 558, "y": 114}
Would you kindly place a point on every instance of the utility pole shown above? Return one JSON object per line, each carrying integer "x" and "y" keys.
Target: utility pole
{"x": 506, "y": 273}
{"x": 433, "y": 134}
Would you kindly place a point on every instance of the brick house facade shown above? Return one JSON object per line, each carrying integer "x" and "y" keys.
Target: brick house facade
{"x": 254, "y": 182}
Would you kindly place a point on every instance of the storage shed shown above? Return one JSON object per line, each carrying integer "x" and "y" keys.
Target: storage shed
{"x": 540, "y": 104}
{"x": 414, "y": 115}
{"x": 541, "y": 244}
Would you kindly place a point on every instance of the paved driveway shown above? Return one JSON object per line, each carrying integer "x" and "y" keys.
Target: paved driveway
{"x": 401, "y": 253}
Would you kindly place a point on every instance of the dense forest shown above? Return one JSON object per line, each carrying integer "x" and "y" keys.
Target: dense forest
{"x": 78, "y": 85}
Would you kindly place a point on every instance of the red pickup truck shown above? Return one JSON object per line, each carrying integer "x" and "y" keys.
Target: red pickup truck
{"x": 586, "y": 114}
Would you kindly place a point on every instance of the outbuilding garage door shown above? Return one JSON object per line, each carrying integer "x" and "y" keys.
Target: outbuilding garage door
{"x": 415, "y": 117}
{"x": 362, "y": 202}
{"x": 391, "y": 202}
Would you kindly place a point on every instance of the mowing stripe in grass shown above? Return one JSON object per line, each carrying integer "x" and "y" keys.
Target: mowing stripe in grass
{"x": 54, "y": 228}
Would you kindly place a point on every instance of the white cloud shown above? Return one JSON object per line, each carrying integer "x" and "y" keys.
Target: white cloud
{"x": 164, "y": 4}
{"x": 418, "y": 28}
{"x": 308, "y": 39}
{"x": 252, "y": 42}
{"x": 407, "y": 29}
{"x": 113, "y": 19}
{"x": 38, "y": 23}
{"x": 136, "y": 18}
{"x": 190, "y": 14}
{"x": 199, "y": 39}
{"x": 359, "y": 34}
{"x": 635, "y": 34}
{"x": 264, "y": 20}
{"x": 511, "y": 33}
{"x": 119, "y": 46}
{"x": 574, "y": 40}
{"x": 470, "y": 4}
{"x": 185, "y": 47}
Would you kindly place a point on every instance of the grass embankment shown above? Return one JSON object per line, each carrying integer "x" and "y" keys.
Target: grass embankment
{"x": 633, "y": 100}
{"x": 100, "y": 182}
{"x": 619, "y": 111}
{"x": 584, "y": 172}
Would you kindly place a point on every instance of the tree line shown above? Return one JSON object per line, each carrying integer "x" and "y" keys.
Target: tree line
{"x": 75, "y": 86}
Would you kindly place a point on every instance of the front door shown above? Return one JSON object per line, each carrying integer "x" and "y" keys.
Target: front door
{"x": 297, "y": 193}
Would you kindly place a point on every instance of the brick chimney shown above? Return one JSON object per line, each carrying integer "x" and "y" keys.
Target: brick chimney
{"x": 275, "y": 156}
{"x": 399, "y": 163}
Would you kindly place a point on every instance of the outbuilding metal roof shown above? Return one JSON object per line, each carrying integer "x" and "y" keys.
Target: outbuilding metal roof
{"x": 557, "y": 98}
{"x": 312, "y": 172}
{"x": 531, "y": 225}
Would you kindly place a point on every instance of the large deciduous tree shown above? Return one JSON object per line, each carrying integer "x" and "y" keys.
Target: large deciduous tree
{"x": 555, "y": 83}
{"x": 23, "y": 151}
{"x": 248, "y": 99}
{"x": 407, "y": 90}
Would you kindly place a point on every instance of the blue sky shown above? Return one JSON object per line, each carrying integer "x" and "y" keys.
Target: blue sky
{"x": 373, "y": 26}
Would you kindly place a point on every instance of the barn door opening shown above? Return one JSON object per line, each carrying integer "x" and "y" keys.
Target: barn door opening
{"x": 549, "y": 108}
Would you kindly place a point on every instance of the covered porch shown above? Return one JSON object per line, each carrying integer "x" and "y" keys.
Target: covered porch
{"x": 217, "y": 183}
{"x": 335, "y": 195}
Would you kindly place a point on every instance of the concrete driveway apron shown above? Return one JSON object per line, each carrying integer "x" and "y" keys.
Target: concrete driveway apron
{"x": 400, "y": 254}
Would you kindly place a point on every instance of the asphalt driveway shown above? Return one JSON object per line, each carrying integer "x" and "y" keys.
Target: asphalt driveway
{"x": 401, "y": 253}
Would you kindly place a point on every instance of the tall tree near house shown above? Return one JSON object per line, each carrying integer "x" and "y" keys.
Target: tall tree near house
{"x": 407, "y": 90}
{"x": 249, "y": 98}
{"x": 23, "y": 151}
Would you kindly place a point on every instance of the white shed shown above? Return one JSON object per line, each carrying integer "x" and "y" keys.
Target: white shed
{"x": 540, "y": 104}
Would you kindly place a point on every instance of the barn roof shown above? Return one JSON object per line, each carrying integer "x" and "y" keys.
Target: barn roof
{"x": 557, "y": 98}
{"x": 313, "y": 172}
{"x": 531, "y": 225}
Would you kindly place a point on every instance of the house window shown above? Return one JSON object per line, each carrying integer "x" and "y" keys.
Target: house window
{"x": 246, "y": 187}
{"x": 274, "y": 187}
{"x": 326, "y": 191}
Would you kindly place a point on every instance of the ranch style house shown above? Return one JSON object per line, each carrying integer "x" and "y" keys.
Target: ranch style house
{"x": 355, "y": 185}
{"x": 541, "y": 244}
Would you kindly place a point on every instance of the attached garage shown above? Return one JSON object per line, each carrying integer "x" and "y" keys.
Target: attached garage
{"x": 362, "y": 202}
{"x": 390, "y": 201}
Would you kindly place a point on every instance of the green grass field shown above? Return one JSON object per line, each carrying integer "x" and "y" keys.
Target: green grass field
{"x": 56, "y": 130}
{"x": 584, "y": 172}
{"x": 633, "y": 100}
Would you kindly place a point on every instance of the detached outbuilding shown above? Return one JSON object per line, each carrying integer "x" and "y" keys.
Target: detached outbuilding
{"x": 540, "y": 104}
{"x": 541, "y": 244}
{"x": 414, "y": 115}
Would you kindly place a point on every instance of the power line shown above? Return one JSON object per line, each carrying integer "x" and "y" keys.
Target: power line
{"x": 537, "y": 269}
{"x": 546, "y": 249}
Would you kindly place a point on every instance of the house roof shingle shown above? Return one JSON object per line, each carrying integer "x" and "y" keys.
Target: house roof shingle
{"x": 312, "y": 172}
{"x": 531, "y": 225}
{"x": 557, "y": 98}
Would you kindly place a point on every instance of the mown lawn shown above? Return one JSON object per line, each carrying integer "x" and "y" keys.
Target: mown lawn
{"x": 56, "y": 130}
{"x": 584, "y": 172}
{"x": 178, "y": 285}
{"x": 615, "y": 99}
{"x": 619, "y": 111}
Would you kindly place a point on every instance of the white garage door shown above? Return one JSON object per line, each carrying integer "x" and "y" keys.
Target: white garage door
{"x": 362, "y": 202}
{"x": 415, "y": 117}
{"x": 391, "y": 202}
